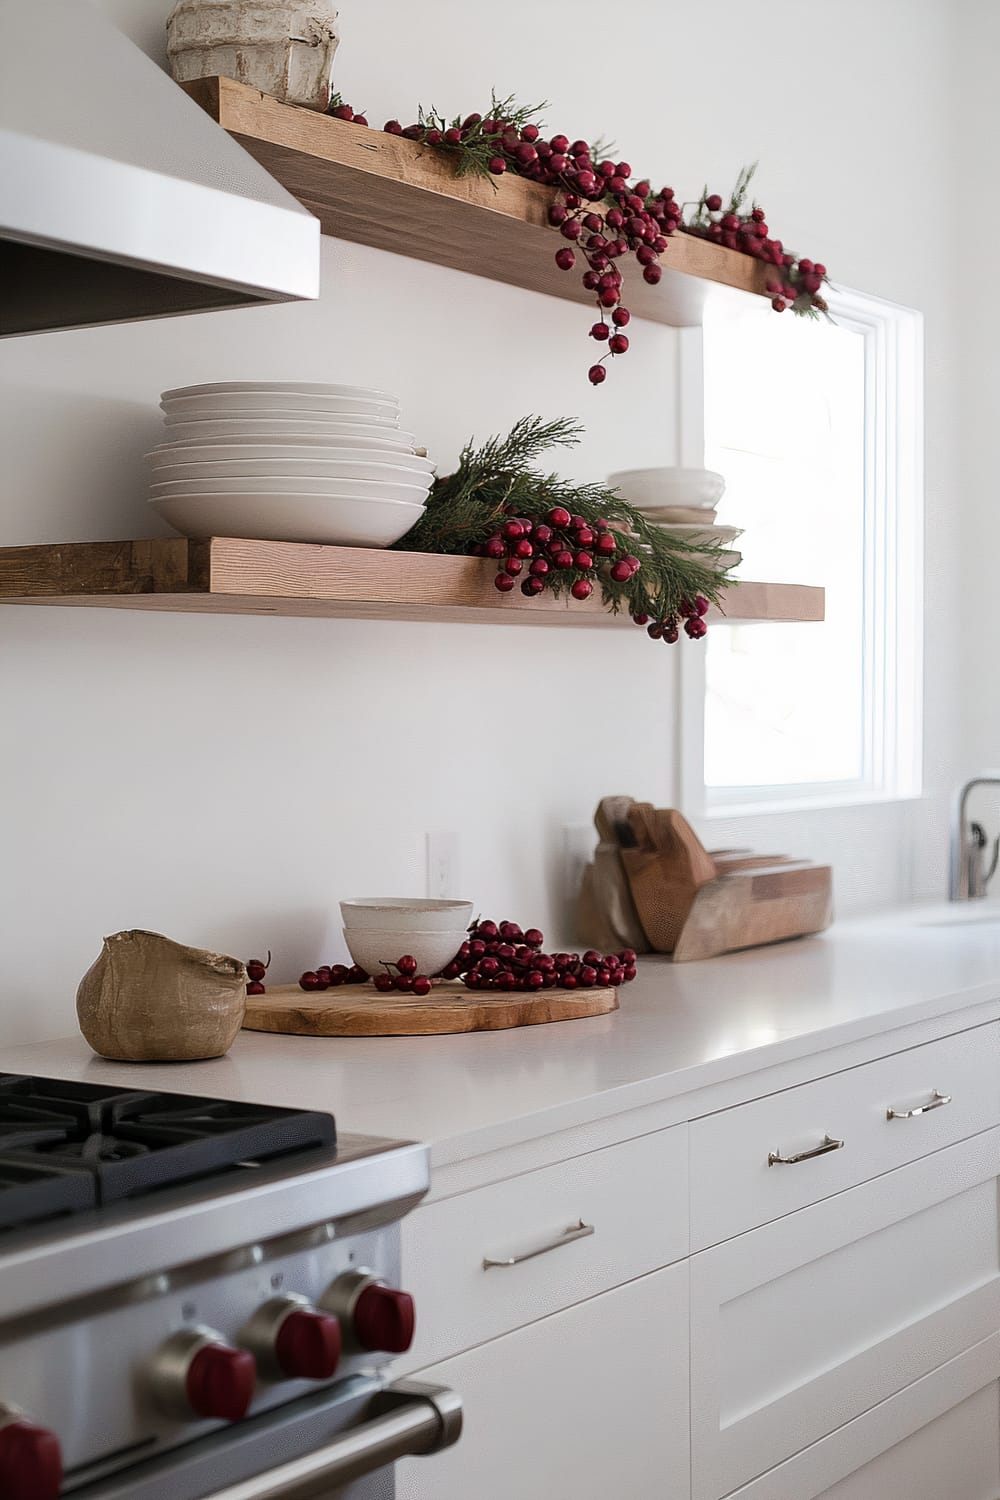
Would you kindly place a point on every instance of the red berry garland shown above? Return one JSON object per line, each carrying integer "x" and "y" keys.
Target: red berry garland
{"x": 606, "y": 215}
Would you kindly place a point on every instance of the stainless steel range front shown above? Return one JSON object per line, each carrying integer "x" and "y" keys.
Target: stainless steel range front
{"x": 199, "y": 1301}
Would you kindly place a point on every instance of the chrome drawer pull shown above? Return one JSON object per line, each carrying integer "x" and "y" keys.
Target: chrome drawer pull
{"x": 828, "y": 1144}
{"x": 578, "y": 1231}
{"x": 936, "y": 1101}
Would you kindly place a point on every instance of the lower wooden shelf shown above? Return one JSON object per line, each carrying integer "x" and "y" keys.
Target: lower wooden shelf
{"x": 224, "y": 575}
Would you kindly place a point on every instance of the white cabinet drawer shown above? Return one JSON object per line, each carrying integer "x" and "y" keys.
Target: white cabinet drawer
{"x": 938, "y": 1439}
{"x": 591, "y": 1404}
{"x": 805, "y": 1324}
{"x": 733, "y": 1186}
{"x": 633, "y": 1196}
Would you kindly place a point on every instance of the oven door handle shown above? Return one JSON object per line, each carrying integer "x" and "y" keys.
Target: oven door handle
{"x": 412, "y": 1418}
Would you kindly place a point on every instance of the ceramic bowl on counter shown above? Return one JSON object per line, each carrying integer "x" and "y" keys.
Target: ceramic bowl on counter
{"x": 267, "y": 517}
{"x": 371, "y": 947}
{"x": 401, "y": 913}
{"x": 694, "y": 489}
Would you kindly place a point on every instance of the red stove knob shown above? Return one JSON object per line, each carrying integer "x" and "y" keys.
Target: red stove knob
{"x": 384, "y": 1319}
{"x": 30, "y": 1461}
{"x": 220, "y": 1382}
{"x": 196, "y": 1373}
{"x": 307, "y": 1345}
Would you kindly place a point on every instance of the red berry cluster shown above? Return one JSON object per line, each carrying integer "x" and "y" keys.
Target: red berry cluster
{"x": 633, "y": 221}
{"x": 553, "y": 544}
{"x": 256, "y": 969}
{"x": 328, "y": 976}
{"x": 692, "y": 612}
{"x": 405, "y": 978}
{"x": 800, "y": 281}
{"x": 500, "y": 956}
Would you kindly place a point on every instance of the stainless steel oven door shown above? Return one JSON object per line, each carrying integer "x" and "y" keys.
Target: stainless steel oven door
{"x": 339, "y": 1447}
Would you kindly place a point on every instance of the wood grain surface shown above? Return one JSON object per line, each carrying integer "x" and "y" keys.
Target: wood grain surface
{"x": 359, "y": 1010}
{"x": 399, "y": 195}
{"x": 230, "y": 575}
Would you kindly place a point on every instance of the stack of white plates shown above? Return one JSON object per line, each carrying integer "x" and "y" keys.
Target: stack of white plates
{"x": 288, "y": 461}
{"x": 682, "y": 503}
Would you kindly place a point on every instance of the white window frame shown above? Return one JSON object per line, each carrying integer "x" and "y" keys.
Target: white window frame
{"x": 893, "y": 592}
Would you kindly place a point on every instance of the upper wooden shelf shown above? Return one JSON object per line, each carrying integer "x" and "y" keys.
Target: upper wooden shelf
{"x": 397, "y": 195}
{"x": 223, "y": 575}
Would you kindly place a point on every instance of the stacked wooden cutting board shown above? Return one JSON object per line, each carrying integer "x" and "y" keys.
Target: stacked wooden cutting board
{"x": 654, "y": 886}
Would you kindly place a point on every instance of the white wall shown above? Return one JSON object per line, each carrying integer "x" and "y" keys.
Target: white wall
{"x": 226, "y": 779}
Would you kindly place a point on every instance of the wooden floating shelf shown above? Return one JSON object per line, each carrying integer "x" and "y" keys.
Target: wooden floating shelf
{"x": 224, "y": 575}
{"x": 398, "y": 195}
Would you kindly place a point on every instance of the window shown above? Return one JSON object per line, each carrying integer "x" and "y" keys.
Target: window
{"x": 817, "y": 428}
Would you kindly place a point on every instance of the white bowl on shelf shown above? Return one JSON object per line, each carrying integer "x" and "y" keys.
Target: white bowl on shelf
{"x": 290, "y": 518}
{"x": 697, "y": 489}
{"x": 284, "y": 425}
{"x": 289, "y": 469}
{"x": 245, "y": 405}
{"x": 282, "y": 458}
{"x": 331, "y": 489}
{"x": 280, "y": 387}
{"x": 388, "y": 913}
{"x": 371, "y": 947}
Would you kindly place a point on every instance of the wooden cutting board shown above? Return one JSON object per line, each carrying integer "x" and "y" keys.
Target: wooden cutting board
{"x": 360, "y": 1010}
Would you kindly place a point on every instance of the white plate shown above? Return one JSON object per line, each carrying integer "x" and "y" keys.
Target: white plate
{"x": 292, "y": 518}
{"x": 250, "y": 446}
{"x": 222, "y": 405}
{"x": 334, "y": 489}
{"x": 710, "y": 533}
{"x": 290, "y": 470}
{"x": 294, "y": 428}
{"x": 282, "y": 387}
{"x": 349, "y": 463}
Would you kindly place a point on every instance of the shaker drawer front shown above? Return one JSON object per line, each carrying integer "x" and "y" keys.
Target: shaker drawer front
{"x": 935, "y": 1440}
{"x": 759, "y": 1161}
{"x": 551, "y": 1237}
{"x": 806, "y": 1323}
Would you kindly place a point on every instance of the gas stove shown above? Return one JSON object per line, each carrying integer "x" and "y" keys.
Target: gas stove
{"x": 199, "y": 1300}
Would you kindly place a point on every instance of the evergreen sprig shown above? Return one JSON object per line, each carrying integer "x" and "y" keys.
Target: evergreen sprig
{"x": 496, "y": 480}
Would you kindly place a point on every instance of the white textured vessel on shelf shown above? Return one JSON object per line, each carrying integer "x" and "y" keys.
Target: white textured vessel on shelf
{"x": 285, "y": 48}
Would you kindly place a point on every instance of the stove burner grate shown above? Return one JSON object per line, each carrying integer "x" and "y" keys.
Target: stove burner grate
{"x": 67, "y": 1146}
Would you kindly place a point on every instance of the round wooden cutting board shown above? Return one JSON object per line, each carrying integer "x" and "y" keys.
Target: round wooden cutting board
{"x": 360, "y": 1010}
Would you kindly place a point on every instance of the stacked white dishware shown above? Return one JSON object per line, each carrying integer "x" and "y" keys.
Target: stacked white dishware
{"x": 683, "y": 503}
{"x": 288, "y": 461}
{"x": 378, "y": 930}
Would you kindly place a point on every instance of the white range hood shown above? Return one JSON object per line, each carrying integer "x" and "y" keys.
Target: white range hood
{"x": 119, "y": 197}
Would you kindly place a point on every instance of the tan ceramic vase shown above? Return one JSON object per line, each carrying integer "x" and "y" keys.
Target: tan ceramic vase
{"x": 148, "y": 999}
{"x": 282, "y": 47}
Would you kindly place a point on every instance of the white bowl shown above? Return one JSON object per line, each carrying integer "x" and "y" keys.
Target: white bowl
{"x": 290, "y": 468}
{"x": 288, "y": 456}
{"x": 699, "y": 489}
{"x": 388, "y": 913}
{"x": 224, "y": 404}
{"x": 249, "y": 445}
{"x": 290, "y": 518}
{"x": 257, "y": 484}
{"x": 371, "y": 948}
{"x": 279, "y": 387}
{"x": 297, "y": 429}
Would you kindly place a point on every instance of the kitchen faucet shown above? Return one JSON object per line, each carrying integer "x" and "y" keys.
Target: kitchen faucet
{"x": 969, "y": 876}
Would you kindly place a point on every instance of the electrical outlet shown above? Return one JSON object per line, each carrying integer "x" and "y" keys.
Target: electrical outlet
{"x": 443, "y": 873}
{"x": 579, "y": 842}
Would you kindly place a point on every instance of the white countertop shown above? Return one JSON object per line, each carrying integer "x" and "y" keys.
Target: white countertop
{"x": 679, "y": 1028}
